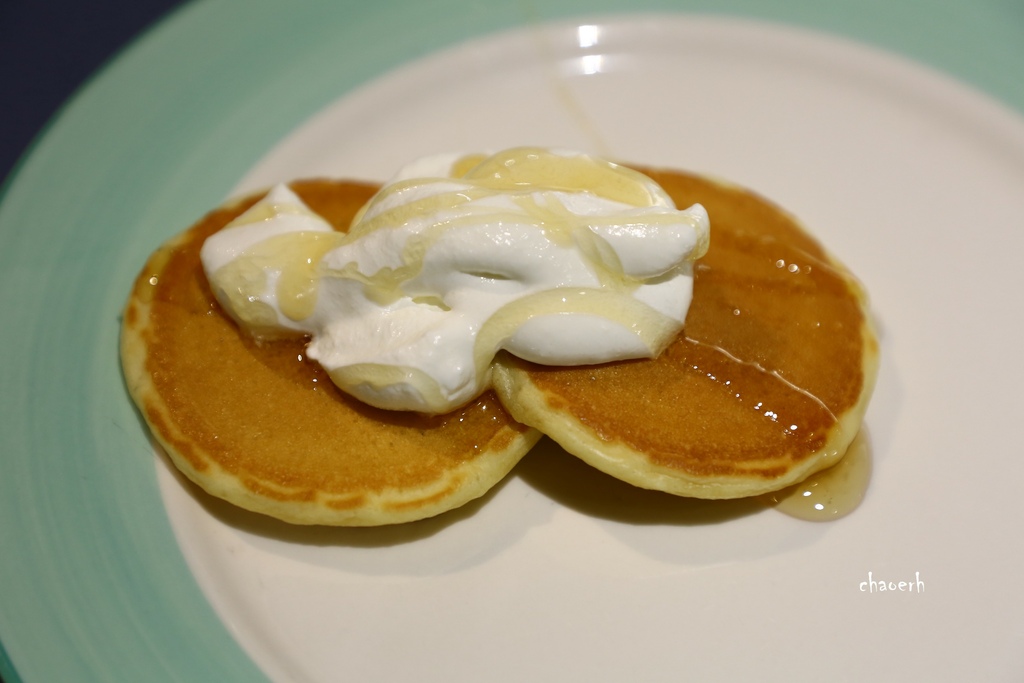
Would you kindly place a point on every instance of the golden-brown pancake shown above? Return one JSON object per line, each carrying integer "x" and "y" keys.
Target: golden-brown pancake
{"x": 767, "y": 384}
{"x": 260, "y": 426}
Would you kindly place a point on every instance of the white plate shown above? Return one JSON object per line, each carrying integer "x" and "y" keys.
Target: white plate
{"x": 562, "y": 574}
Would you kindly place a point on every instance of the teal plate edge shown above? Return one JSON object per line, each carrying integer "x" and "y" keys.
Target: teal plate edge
{"x": 92, "y": 583}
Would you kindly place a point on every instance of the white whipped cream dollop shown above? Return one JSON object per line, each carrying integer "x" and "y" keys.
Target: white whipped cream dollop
{"x": 557, "y": 257}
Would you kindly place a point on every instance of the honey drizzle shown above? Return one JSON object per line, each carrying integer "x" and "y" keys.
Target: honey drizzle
{"x": 831, "y": 493}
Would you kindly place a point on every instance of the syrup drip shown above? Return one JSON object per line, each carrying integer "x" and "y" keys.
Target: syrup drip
{"x": 831, "y": 493}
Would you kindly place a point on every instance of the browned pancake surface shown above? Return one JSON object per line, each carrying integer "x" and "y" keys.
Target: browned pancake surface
{"x": 767, "y": 383}
{"x": 261, "y": 426}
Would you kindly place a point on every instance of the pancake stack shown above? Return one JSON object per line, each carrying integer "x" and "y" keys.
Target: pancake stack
{"x": 767, "y": 384}
{"x": 262, "y": 427}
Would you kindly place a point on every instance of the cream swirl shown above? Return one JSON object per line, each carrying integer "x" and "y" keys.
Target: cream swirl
{"x": 557, "y": 257}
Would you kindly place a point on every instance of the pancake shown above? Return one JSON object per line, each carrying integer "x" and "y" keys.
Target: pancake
{"x": 767, "y": 383}
{"x": 261, "y": 427}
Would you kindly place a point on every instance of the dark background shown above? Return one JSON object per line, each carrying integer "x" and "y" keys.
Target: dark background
{"x": 49, "y": 48}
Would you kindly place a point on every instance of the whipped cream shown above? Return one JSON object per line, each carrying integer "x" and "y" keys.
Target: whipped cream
{"x": 557, "y": 257}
